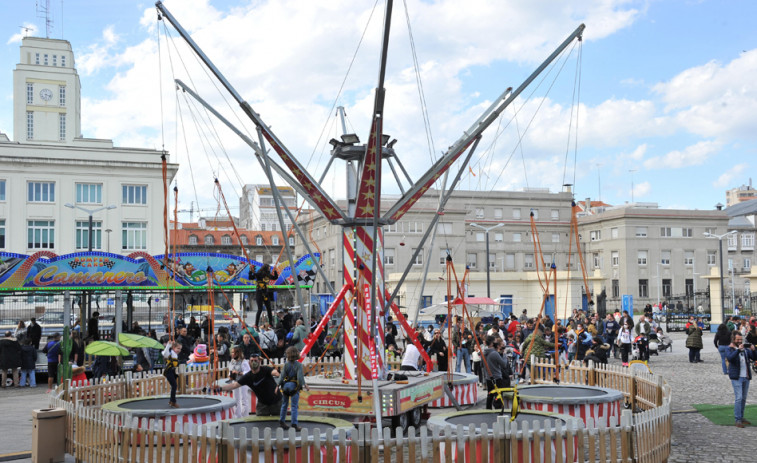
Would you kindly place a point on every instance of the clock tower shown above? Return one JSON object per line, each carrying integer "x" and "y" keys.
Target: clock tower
{"x": 46, "y": 93}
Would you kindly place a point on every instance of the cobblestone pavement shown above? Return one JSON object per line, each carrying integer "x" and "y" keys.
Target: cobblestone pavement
{"x": 695, "y": 438}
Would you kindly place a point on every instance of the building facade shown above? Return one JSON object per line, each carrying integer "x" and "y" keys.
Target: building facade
{"x": 52, "y": 179}
{"x": 740, "y": 194}
{"x": 258, "y": 207}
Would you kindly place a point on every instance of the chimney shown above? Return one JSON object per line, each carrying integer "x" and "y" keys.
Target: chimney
{"x": 588, "y": 205}
{"x": 719, "y": 206}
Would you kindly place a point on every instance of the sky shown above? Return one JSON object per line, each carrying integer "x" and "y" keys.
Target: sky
{"x": 656, "y": 104}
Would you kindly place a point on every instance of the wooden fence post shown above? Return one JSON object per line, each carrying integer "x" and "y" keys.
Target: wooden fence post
{"x": 632, "y": 388}
{"x": 626, "y": 420}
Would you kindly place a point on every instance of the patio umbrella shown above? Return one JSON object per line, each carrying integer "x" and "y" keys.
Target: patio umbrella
{"x": 106, "y": 349}
{"x": 137, "y": 340}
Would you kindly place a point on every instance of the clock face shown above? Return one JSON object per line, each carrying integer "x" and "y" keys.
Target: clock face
{"x": 46, "y": 94}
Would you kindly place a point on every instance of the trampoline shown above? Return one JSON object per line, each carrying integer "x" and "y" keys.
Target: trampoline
{"x": 193, "y": 410}
{"x": 593, "y": 405}
{"x": 464, "y": 388}
{"x": 478, "y": 418}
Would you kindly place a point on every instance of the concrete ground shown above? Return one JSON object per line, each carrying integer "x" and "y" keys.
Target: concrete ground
{"x": 695, "y": 439}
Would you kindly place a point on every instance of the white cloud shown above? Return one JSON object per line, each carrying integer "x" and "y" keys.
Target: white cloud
{"x": 640, "y": 190}
{"x": 27, "y": 30}
{"x": 727, "y": 178}
{"x": 693, "y": 155}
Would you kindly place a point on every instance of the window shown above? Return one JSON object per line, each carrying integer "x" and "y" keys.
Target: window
{"x": 528, "y": 261}
{"x": 82, "y": 234}
{"x": 510, "y": 261}
{"x": 419, "y": 258}
{"x": 2, "y": 233}
{"x": 29, "y": 93}
{"x": 480, "y": 236}
{"x": 62, "y": 61}
{"x": 597, "y": 260}
{"x": 41, "y": 192}
{"x": 747, "y": 263}
{"x": 55, "y": 60}
{"x": 427, "y": 301}
{"x": 226, "y": 240}
{"x": 332, "y": 257}
{"x": 516, "y": 238}
{"x": 506, "y": 303}
{"x": 615, "y": 258}
{"x": 733, "y": 241}
{"x": 389, "y": 256}
{"x": 665, "y": 257}
{"x": 711, "y": 258}
{"x": 492, "y": 261}
{"x": 730, "y": 264}
{"x": 259, "y": 240}
{"x": 40, "y": 234}
{"x": 45, "y": 61}
{"x": 555, "y": 214}
{"x": 262, "y": 227}
{"x": 689, "y": 285}
{"x": 134, "y": 235}
{"x": 243, "y": 238}
{"x": 642, "y": 258}
{"x": 516, "y": 213}
{"x": 747, "y": 241}
{"x": 62, "y": 95}
{"x": 29, "y": 125}
{"x": 687, "y": 232}
{"x": 209, "y": 241}
{"x": 665, "y": 232}
{"x": 291, "y": 241}
{"x": 275, "y": 240}
{"x": 36, "y": 58}
{"x": 497, "y": 212}
{"x": 641, "y": 232}
{"x": 192, "y": 240}
{"x": 2, "y": 190}
{"x": 688, "y": 258}
{"x": 89, "y": 193}
{"x": 499, "y": 237}
{"x": 555, "y": 237}
{"x": 274, "y": 227}
{"x": 134, "y": 194}
{"x": 615, "y": 288}
{"x": 667, "y": 285}
{"x": 644, "y": 289}
{"x": 415, "y": 227}
{"x": 479, "y": 212}
{"x": 443, "y": 257}
{"x": 445, "y": 228}
{"x": 614, "y": 233}
{"x": 535, "y": 212}
{"x": 595, "y": 235}
{"x": 471, "y": 260}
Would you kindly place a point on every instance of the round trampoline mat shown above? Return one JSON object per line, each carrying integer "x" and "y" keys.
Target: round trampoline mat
{"x": 158, "y": 405}
{"x": 154, "y": 403}
{"x": 490, "y": 419}
{"x": 556, "y": 392}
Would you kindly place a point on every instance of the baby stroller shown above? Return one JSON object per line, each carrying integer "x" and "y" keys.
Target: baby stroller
{"x": 664, "y": 343}
{"x": 637, "y": 348}
{"x": 653, "y": 344}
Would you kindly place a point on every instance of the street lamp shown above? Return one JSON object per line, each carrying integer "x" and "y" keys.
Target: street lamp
{"x": 107, "y": 233}
{"x": 89, "y": 212}
{"x": 488, "y": 264}
{"x": 720, "y": 250}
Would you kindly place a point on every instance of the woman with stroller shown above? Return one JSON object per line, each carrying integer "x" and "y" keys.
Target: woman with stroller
{"x": 624, "y": 339}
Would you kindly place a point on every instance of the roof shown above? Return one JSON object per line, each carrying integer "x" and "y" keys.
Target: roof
{"x": 742, "y": 208}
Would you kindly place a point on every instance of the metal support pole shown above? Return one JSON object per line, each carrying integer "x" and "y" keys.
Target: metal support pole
{"x": 118, "y": 319}
{"x": 488, "y": 278}
{"x": 722, "y": 286}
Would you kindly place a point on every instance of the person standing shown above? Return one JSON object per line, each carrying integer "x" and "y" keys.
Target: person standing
{"x": 52, "y": 349}
{"x": 740, "y": 358}
{"x": 290, "y": 383}
{"x": 643, "y": 328}
{"x": 300, "y": 334}
{"x": 28, "y": 364}
{"x": 261, "y": 379}
{"x": 722, "y": 341}
{"x": 93, "y": 326}
{"x": 34, "y": 331}
{"x": 10, "y": 357}
{"x": 497, "y": 371}
{"x": 238, "y": 367}
{"x": 439, "y": 347}
{"x": 624, "y": 340}
{"x": 694, "y": 343}
{"x": 611, "y": 328}
{"x": 171, "y": 355}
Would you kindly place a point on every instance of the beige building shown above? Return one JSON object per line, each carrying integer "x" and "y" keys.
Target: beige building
{"x": 50, "y": 165}
{"x": 740, "y": 194}
{"x": 461, "y": 232}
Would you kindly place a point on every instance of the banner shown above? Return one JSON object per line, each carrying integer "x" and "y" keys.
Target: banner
{"x": 139, "y": 270}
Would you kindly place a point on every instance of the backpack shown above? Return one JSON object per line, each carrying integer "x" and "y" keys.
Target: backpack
{"x": 289, "y": 385}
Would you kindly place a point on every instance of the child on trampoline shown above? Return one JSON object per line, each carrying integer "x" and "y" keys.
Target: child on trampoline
{"x": 171, "y": 354}
{"x": 291, "y": 382}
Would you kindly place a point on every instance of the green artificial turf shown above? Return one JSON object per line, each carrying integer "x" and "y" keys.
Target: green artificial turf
{"x": 722, "y": 415}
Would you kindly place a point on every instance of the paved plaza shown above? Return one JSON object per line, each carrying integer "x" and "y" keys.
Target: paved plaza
{"x": 695, "y": 439}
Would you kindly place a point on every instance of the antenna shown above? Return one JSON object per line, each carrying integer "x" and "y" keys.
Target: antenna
{"x": 26, "y": 30}
{"x": 44, "y": 12}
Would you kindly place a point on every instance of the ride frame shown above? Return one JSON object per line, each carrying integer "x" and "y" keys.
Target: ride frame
{"x": 362, "y": 225}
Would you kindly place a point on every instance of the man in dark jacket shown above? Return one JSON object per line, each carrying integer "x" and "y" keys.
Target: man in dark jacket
{"x": 611, "y": 333}
{"x": 34, "y": 331}
{"x": 497, "y": 375}
{"x": 740, "y": 358}
{"x": 10, "y": 357}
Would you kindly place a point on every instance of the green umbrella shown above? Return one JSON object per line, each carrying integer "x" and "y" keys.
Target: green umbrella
{"x": 137, "y": 340}
{"x": 106, "y": 349}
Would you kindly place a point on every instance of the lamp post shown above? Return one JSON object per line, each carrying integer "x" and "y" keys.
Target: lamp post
{"x": 90, "y": 213}
{"x": 488, "y": 264}
{"x": 107, "y": 233}
{"x": 720, "y": 250}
